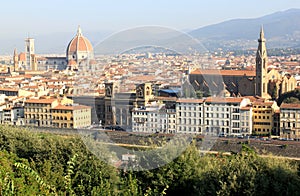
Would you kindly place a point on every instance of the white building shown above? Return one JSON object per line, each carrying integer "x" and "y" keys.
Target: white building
{"x": 223, "y": 116}
{"x": 246, "y": 120}
{"x": 152, "y": 118}
{"x": 290, "y": 121}
{"x": 189, "y": 113}
{"x": 13, "y": 116}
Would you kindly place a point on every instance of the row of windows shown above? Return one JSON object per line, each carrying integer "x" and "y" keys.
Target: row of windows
{"x": 290, "y": 115}
{"x": 190, "y": 108}
{"x": 262, "y": 112}
{"x": 259, "y": 106}
{"x": 190, "y": 114}
{"x": 261, "y": 117}
{"x": 37, "y": 105}
{"x": 190, "y": 129}
{"x": 36, "y": 110}
{"x": 262, "y": 130}
{"x": 37, "y": 116}
{"x": 289, "y": 124}
{"x": 262, "y": 123}
{"x": 217, "y": 115}
{"x": 47, "y": 110}
{"x": 189, "y": 121}
{"x": 61, "y": 118}
{"x": 217, "y": 123}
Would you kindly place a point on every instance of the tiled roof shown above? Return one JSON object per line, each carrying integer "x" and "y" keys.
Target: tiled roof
{"x": 45, "y": 101}
{"x": 290, "y": 106}
{"x": 9, "y": 89}
{"x": 71, "y": 107}
{"x": 190, "y": 101}
{"x": 224, "y": 72}
{"x": 263, "y": 103}
{"x": 224, "y": 100}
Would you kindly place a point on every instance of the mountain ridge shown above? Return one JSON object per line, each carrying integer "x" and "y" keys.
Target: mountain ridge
{"x": 282, "y": 29}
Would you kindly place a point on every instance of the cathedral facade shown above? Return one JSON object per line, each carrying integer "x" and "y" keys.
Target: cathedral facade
{"x": 261, "y": 82}
{"x": 79, "y": 55}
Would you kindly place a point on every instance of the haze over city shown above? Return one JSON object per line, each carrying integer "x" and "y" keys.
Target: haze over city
{"x": 100, "y": 19}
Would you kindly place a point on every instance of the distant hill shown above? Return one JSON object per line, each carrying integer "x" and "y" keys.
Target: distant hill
{"x": 282, "y": 29}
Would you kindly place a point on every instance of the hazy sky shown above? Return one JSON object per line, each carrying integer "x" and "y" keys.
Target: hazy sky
{"x": 53, "y": 23}
{"x": 20, "y": 18}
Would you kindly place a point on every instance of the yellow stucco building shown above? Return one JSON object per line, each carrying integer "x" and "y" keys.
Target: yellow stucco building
{"x": 263, "y": 117}
{"x": 56, "y": 112}
{"x": 71, "y": 116}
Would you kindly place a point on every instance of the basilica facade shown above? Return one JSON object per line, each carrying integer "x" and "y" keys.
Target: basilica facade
{"x": 261, "y": 82}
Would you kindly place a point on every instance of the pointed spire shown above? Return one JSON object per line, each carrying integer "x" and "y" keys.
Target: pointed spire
{"x": 262, "y": 34}
{"x": 79, "y": 33}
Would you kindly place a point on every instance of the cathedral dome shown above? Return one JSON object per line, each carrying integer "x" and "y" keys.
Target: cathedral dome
{"x": 79, "y": 48}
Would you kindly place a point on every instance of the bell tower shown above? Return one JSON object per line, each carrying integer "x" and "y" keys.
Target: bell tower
{"x": 261, "y": 83}
{"x": 16, "y": 60}
{"x": 29, "y": 51}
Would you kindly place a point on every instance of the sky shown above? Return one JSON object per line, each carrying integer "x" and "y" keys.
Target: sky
{"x": 35, "y": 18}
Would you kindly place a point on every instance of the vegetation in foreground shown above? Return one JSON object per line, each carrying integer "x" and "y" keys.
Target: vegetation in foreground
{"x": 48, "y": 164}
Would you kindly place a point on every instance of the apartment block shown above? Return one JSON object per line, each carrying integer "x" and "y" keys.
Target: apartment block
{"x": 71, "y": 116}
{"x": 290, "y": 121}
{"x": 263, "y": 117}
{"x": 189, "y": 113}
{"x": 223, "y": 116}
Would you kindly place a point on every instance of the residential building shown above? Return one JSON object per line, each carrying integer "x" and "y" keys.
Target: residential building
{"x": 38, "y": 111}
{"x": 190, "y": 116}
{"x": 152, "y": 118}
{"x": 223, "y": 115}
{"x": 246, "y": 120}
{"x": 13, "y": 116}
{"x": 263, "y": 117}
{"x": 290, "y": 121}
{"x": 71, "y": 116}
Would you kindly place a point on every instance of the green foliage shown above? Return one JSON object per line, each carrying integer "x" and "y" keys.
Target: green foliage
{"x": 289, "y": 97}
{"x": 199, "y": 94}
{"x": 46, "y": 164}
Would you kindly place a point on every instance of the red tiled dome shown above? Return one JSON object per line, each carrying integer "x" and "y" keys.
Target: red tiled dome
{"x": 79, "y": 43}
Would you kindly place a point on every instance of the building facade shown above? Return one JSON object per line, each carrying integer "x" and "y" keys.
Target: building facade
{"x": 71, "y": 116}
{"x": 290, "y": 121}
{"x": 223, "y": 115}
{"x": 262, "y": 82}
{"x": 190, "y": 115}
{"x": 263, "y": 117}
{"x": 38, "y": 112}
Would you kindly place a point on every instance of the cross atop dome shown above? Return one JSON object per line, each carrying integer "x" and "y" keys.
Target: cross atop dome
{"x": 79, "y": 33}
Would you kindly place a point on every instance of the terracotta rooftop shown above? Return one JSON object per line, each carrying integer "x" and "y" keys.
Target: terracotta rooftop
{"x": 224, "y": 100}
{"x": 247, "y": 108}
{"x": 9, "y": 89}
{"x": 263, "y": 103}
{"x": 71, "y": 107}
{"x": 190, "y": 101}
{"x": 45, "y": 101}
{"x": 290, "y": 106}
{"x": 224, "y": 72}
